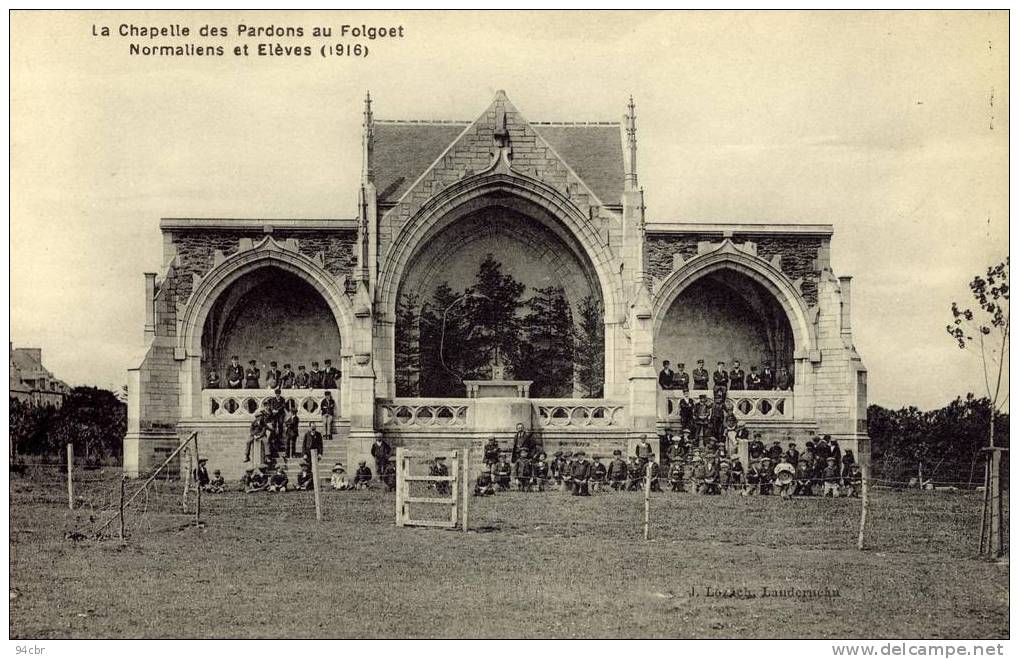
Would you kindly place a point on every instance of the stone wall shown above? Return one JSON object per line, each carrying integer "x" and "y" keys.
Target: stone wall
{"x": 195, "y": 249}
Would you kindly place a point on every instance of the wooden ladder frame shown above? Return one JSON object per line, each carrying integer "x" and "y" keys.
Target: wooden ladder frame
{"x": 403, "y": 498}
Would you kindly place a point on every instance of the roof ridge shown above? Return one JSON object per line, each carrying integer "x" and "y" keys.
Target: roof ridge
{"x": 423, "y": 122}
{"x": 576, "y": 123}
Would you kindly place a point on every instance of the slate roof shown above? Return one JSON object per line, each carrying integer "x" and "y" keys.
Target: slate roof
{"x": 403, "y": 150}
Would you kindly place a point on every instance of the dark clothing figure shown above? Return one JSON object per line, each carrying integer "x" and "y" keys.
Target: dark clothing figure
{"x": 312, "y": 440}
{"x": 389, "y": 476}
{"x": 736, "y": 473}
{"x": 201, "y": 474}
{"x": 792, "y": 456}
{"x": 235, "y": 376}
{"x": 540, "y": 474}
{"x": 522, "y": 439}
{"x": 681, "y": 380}
{"x": 598, "y": 474}
{"x": 775, "y": 453}
{"x": 491, "y": 452}
{"x": 212, "y": 382}
{"x": 483, "y": 486}
{"x": 702, "y": 413}
{"x": 767, "y": 477}
{"x": 634, "y": 475}
{"x": 580, "y": 474}
{"x": 700, "y": 378}
{"x": 330, "y": 377}
{"x": 524, "y": 473}
{"x": 257, "y": 434}
{"x": 720, "y": 379}
{"x": 273, "y": 378}
{"x": 737, "y": 379}
{"x": 291, "y": 429}
{"x": 686, "y": 414}
{"x": 305, "y": 481}
{"x": 784, "y": 380}
{"x": 754, "y": 381}
{"x": 287, "y": 379}
{"x": 381, "y": 450}
{"x": 665, "y": 378}
{"x": 756, "y": 448}
{"x": 315, "y": 379}
{"x": 617, "y": 473}
{"x": 363, "y": 476}
{"x": 302, "y": 381}
{"x": 676, "y": 476}
{"x": 502, "y": 473}
{"x": 252, "y": 377}
{"x": 767, "y": 379}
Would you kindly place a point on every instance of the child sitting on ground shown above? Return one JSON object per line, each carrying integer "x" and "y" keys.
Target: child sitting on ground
{"x": 338, "y": 481}
{"x": 217, "y": 485}
{"x": 363, "y": 476}
{"x": 305, "y": 479}
{"x": 278, "y": 481}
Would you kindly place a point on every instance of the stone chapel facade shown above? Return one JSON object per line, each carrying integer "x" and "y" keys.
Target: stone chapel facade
{"x": 562, "y": 203}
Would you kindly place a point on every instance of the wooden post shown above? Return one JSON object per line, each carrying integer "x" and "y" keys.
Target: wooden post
{"x": 992, "y": 541}
{"x": 70, "y": 475}
{"x": 123, "y": 486}
{"x": 198, "y": 490}
{"x": 865, "y": 504}
{"x": 647, "y": 501}
{"x": 187, "y": 476}
{"x": 399, "y": 486}
{"x": 466, "y": 484}
{"x": 314, "y": 482}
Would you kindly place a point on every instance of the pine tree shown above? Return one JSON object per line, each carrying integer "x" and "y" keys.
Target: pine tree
{"x": 408, "y": 346}
{"x": 590, "y": 353}
{"x": 436, "y": 378}
{"x": 491, "y": 312}
{"x": 547, "y": 355}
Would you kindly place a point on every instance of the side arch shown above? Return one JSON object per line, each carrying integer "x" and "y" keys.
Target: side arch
{"x": 268, "y": 252}
{"x": 728, "y": 257}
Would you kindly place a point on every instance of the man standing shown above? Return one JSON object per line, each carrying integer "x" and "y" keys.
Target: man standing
{"x": 213, "y": 379}
{"x": 287, "y": 378}
{"x": 524, "y": 471}
{"x": 686, "y": 412}
{"x": 753, "y": 379}
{"x": 330, "y": 376}
{"x": 580, "y": 472}
{"x": 736, "y": 377}
{"x": 617, "y": 470}
{"x": 277, "y": 407}
{"x": 767, "y": 378}
{"x": 328, "y": 409}
{"x": 301, "y": 381}
{"x": 234, "y": 374}
{"x": 665, "y": 376}
{"x": 521, "y": 439}
{"x": 257, "y": 434}
{"x": 292, "y": 428}
{"x": 645, "y": 453}
{"x": 381, "y": 450}
{"x": 702, "y": 418}
{"x": 273, "y": 377}
{"x": 315, "y": 377}
{"x": 720, "y": 377}
{"x": 681, "y": 379}
{"x": 700, "y": 376}
{"x": 312, "y": 440}
{"x": 252, "y": 376}
{"x": 784, "y": 380}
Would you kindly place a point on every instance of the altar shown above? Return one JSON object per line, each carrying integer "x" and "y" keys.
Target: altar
{"x": 498, "y": 388}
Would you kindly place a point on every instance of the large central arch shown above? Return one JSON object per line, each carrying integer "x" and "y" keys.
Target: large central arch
{"x": 512, "y": 193}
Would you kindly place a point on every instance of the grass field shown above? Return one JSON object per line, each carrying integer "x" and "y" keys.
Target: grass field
{"x": 540, "y": 565}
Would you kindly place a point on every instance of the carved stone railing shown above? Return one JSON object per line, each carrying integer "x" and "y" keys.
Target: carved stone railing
{"x": 424, "y": 413}
{"x": 243, "y": 403}
{"x": 578, "y": 413}
{"x": 748, "y": 404}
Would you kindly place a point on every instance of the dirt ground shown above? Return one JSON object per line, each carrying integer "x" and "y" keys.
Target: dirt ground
{"x": 542, "y": 565}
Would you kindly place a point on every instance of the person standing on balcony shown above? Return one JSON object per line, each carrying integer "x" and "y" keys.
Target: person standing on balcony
{"x": 767, "y": 378}
{"x": 330, "y": 376}
{"x": 381, "y": 450}
{"x": 287, "y": 378}
{"x": 737, "y": 377}
{"x": 234, "y": 374}
{"x": 302, "y": 380}
{"x": 665, "y": 376}
{"x": 315, "y": 377}
{"x": 273, "y": 377}
{"x": 212, "y": 380}
{"x": 720, "y": 377}
{"x": 700, "y": 376}
{"x": 252, "y": 376}
{"x": 328, "y": 409}
{"x": 277, "y": 407}
{"x": 753, "y": 379}
{"x": 784, "y": 379}
{"x": 681, "y": 379}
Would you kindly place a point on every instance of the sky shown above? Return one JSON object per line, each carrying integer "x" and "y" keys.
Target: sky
{"x": 891, "y": 126}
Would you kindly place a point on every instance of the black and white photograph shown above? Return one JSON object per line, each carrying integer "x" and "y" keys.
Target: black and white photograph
{"x": 509, "y": 324}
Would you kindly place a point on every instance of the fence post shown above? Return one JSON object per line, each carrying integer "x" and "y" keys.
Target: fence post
{"x": 123, "y": 481}
{"x": 70, "y": 475}
{"x": 865, "y": 503}
{"x": 466, "y": 483}
{"x": 314, "y": 482}
{"x": 198, "y": 488}
{"x": 647, "y": 501}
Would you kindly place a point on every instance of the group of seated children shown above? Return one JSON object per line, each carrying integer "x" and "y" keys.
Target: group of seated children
{"x": 705, "y": 469}
{"x": 264, "y": 478}
{"x": 362, "y": 477}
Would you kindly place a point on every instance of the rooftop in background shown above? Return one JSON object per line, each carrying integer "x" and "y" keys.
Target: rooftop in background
{"x": 405, "y": 149}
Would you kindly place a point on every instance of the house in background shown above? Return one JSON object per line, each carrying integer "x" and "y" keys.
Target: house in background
{"x": 31, "y": 382}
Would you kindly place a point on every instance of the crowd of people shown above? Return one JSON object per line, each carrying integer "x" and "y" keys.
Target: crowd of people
{"x": 238, "y": 377}
{"x": 735, "y": 379}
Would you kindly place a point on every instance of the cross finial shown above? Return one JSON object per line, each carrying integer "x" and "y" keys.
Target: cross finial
{"x": 631, "y": 142}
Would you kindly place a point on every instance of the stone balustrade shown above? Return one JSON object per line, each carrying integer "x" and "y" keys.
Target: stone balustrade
{"x": 243, "y": 403}
{"x": 577, "y": 413}
{"x": 420, "y": 413}
{"x": 749, "y": 404}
